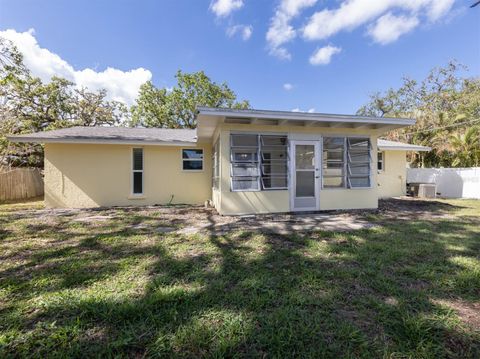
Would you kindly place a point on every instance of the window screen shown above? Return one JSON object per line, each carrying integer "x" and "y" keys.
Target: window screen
{"x": 274, "y": 162}
{"x": 244, "y": 162}
{"x": 346, "y": 162}
{"x": 333, "y": 174}
{"x": 258, "y": 162}
{"x": 216, "y": 166}
{"x": 358, "y": 162}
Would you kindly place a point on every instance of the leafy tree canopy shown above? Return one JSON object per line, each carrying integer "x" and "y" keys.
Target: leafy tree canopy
{"x": 447, "y": 109}
{"x": 175, "y": 108}
{"x": 29, "y": 105}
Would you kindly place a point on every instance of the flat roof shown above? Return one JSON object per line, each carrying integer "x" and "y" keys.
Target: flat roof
{"x": 294, "y": 115}
{"x": 400, "y": 146}
{"x": 208, "y": 118}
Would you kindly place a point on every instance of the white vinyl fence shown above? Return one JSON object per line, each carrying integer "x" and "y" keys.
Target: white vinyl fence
{"x": 451, "y": 182}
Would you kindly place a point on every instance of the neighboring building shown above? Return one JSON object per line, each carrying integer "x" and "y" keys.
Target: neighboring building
{"x": 244, "y": 161}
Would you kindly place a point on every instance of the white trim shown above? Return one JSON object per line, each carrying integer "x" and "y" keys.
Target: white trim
{"x": 295, "y": 116}
{"x": 404, "y": 148}
{"x": 102, "y": 141}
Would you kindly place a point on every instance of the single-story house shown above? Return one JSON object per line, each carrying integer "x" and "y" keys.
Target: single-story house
{"x": 242, "y": 161}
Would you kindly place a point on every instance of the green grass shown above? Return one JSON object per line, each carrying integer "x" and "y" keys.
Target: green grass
{"x": 103, "y": 289}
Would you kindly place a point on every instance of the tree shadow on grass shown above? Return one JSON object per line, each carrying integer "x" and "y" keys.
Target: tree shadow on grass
{"x": 363, "y": 294}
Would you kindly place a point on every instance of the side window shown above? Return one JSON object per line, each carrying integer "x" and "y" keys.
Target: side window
{"x": 381, "y": 161}
{"x": 192, "y": 159}
{"x": 137, "y": 169}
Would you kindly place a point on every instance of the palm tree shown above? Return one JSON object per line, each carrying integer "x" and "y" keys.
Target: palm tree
{"x": 466, "y": 148}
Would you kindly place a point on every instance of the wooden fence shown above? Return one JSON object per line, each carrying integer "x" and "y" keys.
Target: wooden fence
{"x": 21, "y": 183}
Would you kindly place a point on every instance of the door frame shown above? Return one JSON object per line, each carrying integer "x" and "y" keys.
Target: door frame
{"x": 317, "y": 171}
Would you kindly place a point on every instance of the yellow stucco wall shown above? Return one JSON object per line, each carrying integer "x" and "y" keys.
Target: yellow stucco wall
{"x": 392, "y": 180}
{"x": 87, "y": 175}
{"x": 279, "y": 200}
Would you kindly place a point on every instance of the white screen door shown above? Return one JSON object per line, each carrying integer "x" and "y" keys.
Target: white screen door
{"x": 305, "y": 175}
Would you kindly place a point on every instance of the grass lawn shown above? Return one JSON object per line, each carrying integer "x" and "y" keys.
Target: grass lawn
{"x": 408, "y": 287}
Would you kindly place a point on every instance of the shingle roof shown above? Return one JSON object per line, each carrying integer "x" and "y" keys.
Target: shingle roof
{"x": 111, "y": 135}
{"x": 129, "y": 135}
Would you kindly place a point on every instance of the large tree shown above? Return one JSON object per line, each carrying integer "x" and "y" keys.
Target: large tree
{"x": 445, "y": 105}
{"x": 29, "y": 105}
{"x": 175, "y": 108}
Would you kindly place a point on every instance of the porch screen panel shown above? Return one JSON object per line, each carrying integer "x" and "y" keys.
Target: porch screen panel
{"x": 359, "y": 162}
{"x": 216, "y": 165}
{"x": 274, "y": 162}
{"x": 333, "y": 174}
{"x": 244, "y": 162}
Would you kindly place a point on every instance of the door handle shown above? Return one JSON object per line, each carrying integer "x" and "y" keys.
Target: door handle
{"x": 317, "y": 176}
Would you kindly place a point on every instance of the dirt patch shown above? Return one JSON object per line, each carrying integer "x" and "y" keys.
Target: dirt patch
{"x": 468, "y": 312}
{"x": 408, "y": 208}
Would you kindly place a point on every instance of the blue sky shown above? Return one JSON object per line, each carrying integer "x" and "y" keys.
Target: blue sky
{"x": 284, "y": 54}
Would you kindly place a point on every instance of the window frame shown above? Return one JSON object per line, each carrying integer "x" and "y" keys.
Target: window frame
{"x": 202, "y": 160}
{"x": 269, "y": 148}
{"x": 343, "y": 162}
{"x": 252, "y": 149}
{"x": 346, "y": 161}
{"x": 382, "y": 161}
{"x": 351, "y": 162}
{"x": 142, "y": 171}
{"x": 259, "y": 162}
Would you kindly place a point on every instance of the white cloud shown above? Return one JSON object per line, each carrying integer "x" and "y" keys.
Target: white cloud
{"x": 439, "y": 9}
{"x": 245, "y": 31}
{"x": 287, "y": 86}
{"x": 323, "y": 55}
{"x": 389, "y": 28}
{"x": 281, "y": 31}
{"x": 223, "y": 8}
{"x": 311, "y": 110}
{"x": 120, "y": 85}
{"x": 354, "y": 13}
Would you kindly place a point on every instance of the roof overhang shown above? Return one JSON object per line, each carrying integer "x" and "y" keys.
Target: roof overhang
{"x": 209, "y": 118}
{"x": 98, "y": 141}
{"x": 385, "y": 145}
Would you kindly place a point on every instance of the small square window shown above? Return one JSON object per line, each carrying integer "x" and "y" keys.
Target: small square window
{"x": 192, "y": 159}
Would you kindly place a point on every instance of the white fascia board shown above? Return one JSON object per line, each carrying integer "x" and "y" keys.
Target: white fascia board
{"x": 295, "y": 116}
{"x": 404, "y": 148}
{"x": 100, "y": 142}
